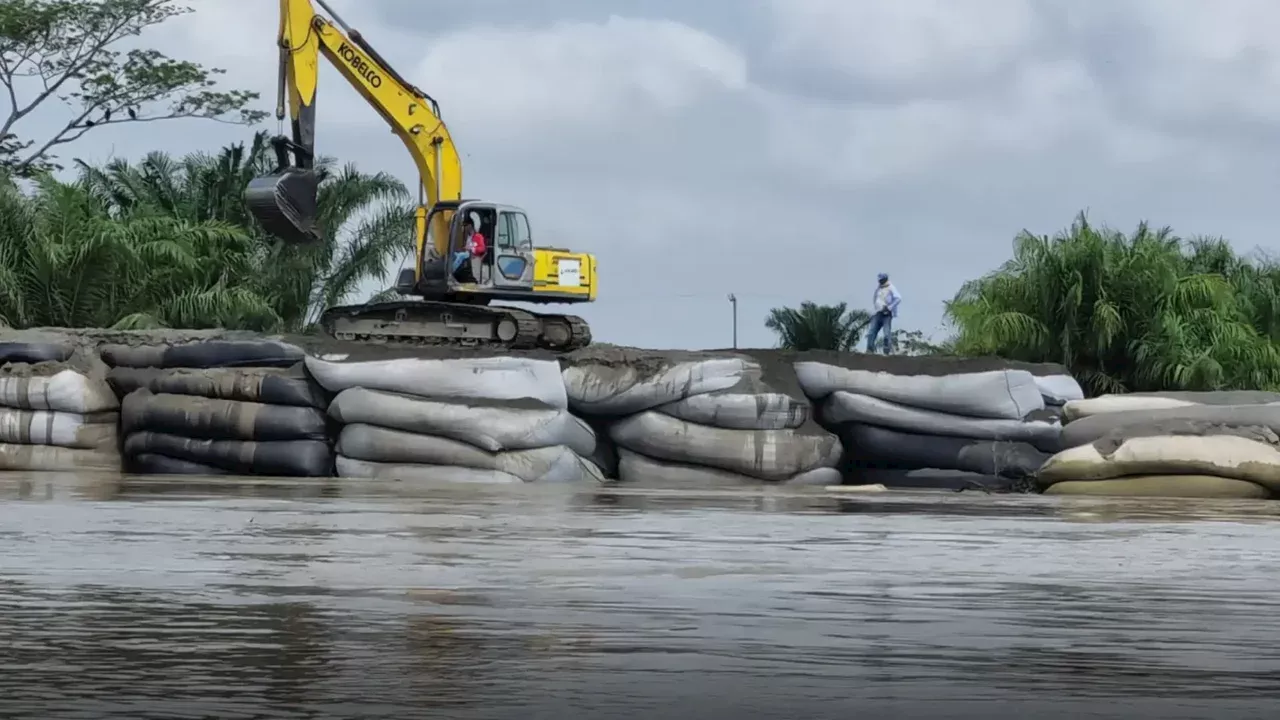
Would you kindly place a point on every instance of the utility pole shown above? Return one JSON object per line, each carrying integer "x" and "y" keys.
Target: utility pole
{"x": 733, "y": 299}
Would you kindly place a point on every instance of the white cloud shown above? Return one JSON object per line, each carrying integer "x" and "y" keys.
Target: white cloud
{"x": 902, "y": 43}
{"x": 574, "y": 76}
{"x": 1193, "y": 60}
{"x": 245, "y": 33}
{"x": 1042, "y": 105}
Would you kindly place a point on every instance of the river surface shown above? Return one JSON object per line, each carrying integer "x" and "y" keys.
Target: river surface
{"x": 142, "y": 598}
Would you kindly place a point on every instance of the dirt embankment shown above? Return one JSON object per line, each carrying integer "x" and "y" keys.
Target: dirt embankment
{"x": 934, "y": 365}
{"x": 776, "y": 373}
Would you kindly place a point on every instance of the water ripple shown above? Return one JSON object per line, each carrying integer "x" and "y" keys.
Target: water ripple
{"x": 152, "y": 597}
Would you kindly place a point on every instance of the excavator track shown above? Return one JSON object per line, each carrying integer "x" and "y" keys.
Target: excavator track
{"x": 445, "y": 324}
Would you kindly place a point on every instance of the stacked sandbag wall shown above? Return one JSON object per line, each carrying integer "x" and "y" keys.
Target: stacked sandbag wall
{"x": 932, "y": 422}
{"x": 219, "y": 408}
{"x": 1174, "y": 444}
{"x": 57, "y": 412}
{"x": 700, "y": 420}
{"x": 465, "y": 418}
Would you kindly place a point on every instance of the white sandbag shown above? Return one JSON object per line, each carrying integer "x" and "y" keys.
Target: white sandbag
{"x": 349, "y": 468}
{"x": 1059, "y": 389}
{"x": 556, "y": 464}
{"x": 765, "y": 454}
{"x": 842, "y": 407}
{"x": 489, "y": 427}
{"x": 1205, "y": 487}
{"x": 643, "y": 471}
{"x": 1077, "y": 409}
{"x": 598, "y": 389}
{"x": 72, "y": 430}
{"x": 999, "y": 394}
{"x": 65, "y": 391}
{"x": 42, "y": 458}
{"x": 1167, "y": 400}
{"x": 1218, "y": 397}
{"x": 1226, "y": 456}
{"x": 461, "y": 379}
{"x": 740, "y": 411}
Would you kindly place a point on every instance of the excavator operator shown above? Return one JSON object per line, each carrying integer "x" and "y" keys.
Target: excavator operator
{"x": 475, "y": 245}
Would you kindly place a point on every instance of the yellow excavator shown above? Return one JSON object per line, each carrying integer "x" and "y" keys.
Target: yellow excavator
{"x": 455, "y": 287}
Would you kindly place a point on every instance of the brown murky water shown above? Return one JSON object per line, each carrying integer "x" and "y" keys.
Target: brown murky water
{"x": 177, "y": 598}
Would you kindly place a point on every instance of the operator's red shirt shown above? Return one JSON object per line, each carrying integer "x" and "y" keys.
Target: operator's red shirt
{"x": 477, "y": 244}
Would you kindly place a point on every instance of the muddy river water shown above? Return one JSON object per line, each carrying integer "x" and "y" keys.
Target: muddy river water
{"x": 144, "y": 598}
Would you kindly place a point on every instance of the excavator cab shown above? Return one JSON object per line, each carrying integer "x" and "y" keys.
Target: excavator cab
{"x": 506, "y": 266}
{"x": 285, "y": 202}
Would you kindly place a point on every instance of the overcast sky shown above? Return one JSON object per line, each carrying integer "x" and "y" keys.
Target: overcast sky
{"x": 788, "y": 150}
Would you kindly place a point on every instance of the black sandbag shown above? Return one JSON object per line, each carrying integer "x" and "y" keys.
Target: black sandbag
{"x": 872, "y": 446}
{"x": 154, "y": 464}
{"x": 32, "y": 353}
{"x": 1189, "y": 420}
{"x": 213, "y": 419}
{"x": 271, "y": 386}
{"x": 208, "y": 354}
{"x": 290, "y": 458}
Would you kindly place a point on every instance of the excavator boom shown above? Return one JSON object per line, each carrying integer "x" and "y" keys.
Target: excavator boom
{"x": 456, "y": 288}
{"x": 285, "y": 202}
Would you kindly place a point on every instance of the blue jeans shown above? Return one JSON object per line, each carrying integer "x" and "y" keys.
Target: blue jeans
{"x": 881, "y": 325}
{"x": 458, "y": 259}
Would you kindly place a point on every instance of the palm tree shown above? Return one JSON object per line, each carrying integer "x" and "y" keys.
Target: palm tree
{"x": 1141, "y": 312}
{"x": 67, "y": 260}
{"x": 818, "y": 327}
{"x": 366, "y": 220}
{"x": 367, "y": 224}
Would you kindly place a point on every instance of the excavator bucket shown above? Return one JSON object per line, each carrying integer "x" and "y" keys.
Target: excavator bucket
{"x": 284, "y": 203}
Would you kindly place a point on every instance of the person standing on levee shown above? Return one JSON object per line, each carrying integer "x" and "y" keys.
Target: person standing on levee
{"x": 885, "y": 308}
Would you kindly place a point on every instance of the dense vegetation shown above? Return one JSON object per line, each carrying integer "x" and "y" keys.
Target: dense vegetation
{"x": 1124, "y": 312}
{"x": 166, "y": 242}
{"x": 1136, "y": 312}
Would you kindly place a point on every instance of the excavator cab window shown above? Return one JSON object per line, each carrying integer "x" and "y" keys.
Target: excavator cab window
{"x": 513, "y": 232}
{"x": 505, "y": 237}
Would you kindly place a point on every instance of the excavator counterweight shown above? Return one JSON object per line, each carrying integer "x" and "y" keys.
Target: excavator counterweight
{"x": 467, "y": 252}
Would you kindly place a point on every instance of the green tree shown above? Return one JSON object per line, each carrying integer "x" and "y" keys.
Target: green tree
{"x": 66, "y": 261}
{"x": 366, "y": 220}
{"x": 1138, "y": 312}
{"x": 818, "y": 327}
{"x": 64, "y": 50}
{"x": 913, "y": 342}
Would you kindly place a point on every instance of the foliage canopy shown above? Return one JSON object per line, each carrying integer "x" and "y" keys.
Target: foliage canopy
{"x": 167, "y": 242}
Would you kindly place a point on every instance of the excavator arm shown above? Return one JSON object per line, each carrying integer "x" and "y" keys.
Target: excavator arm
{"x": 285, "y": 203}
